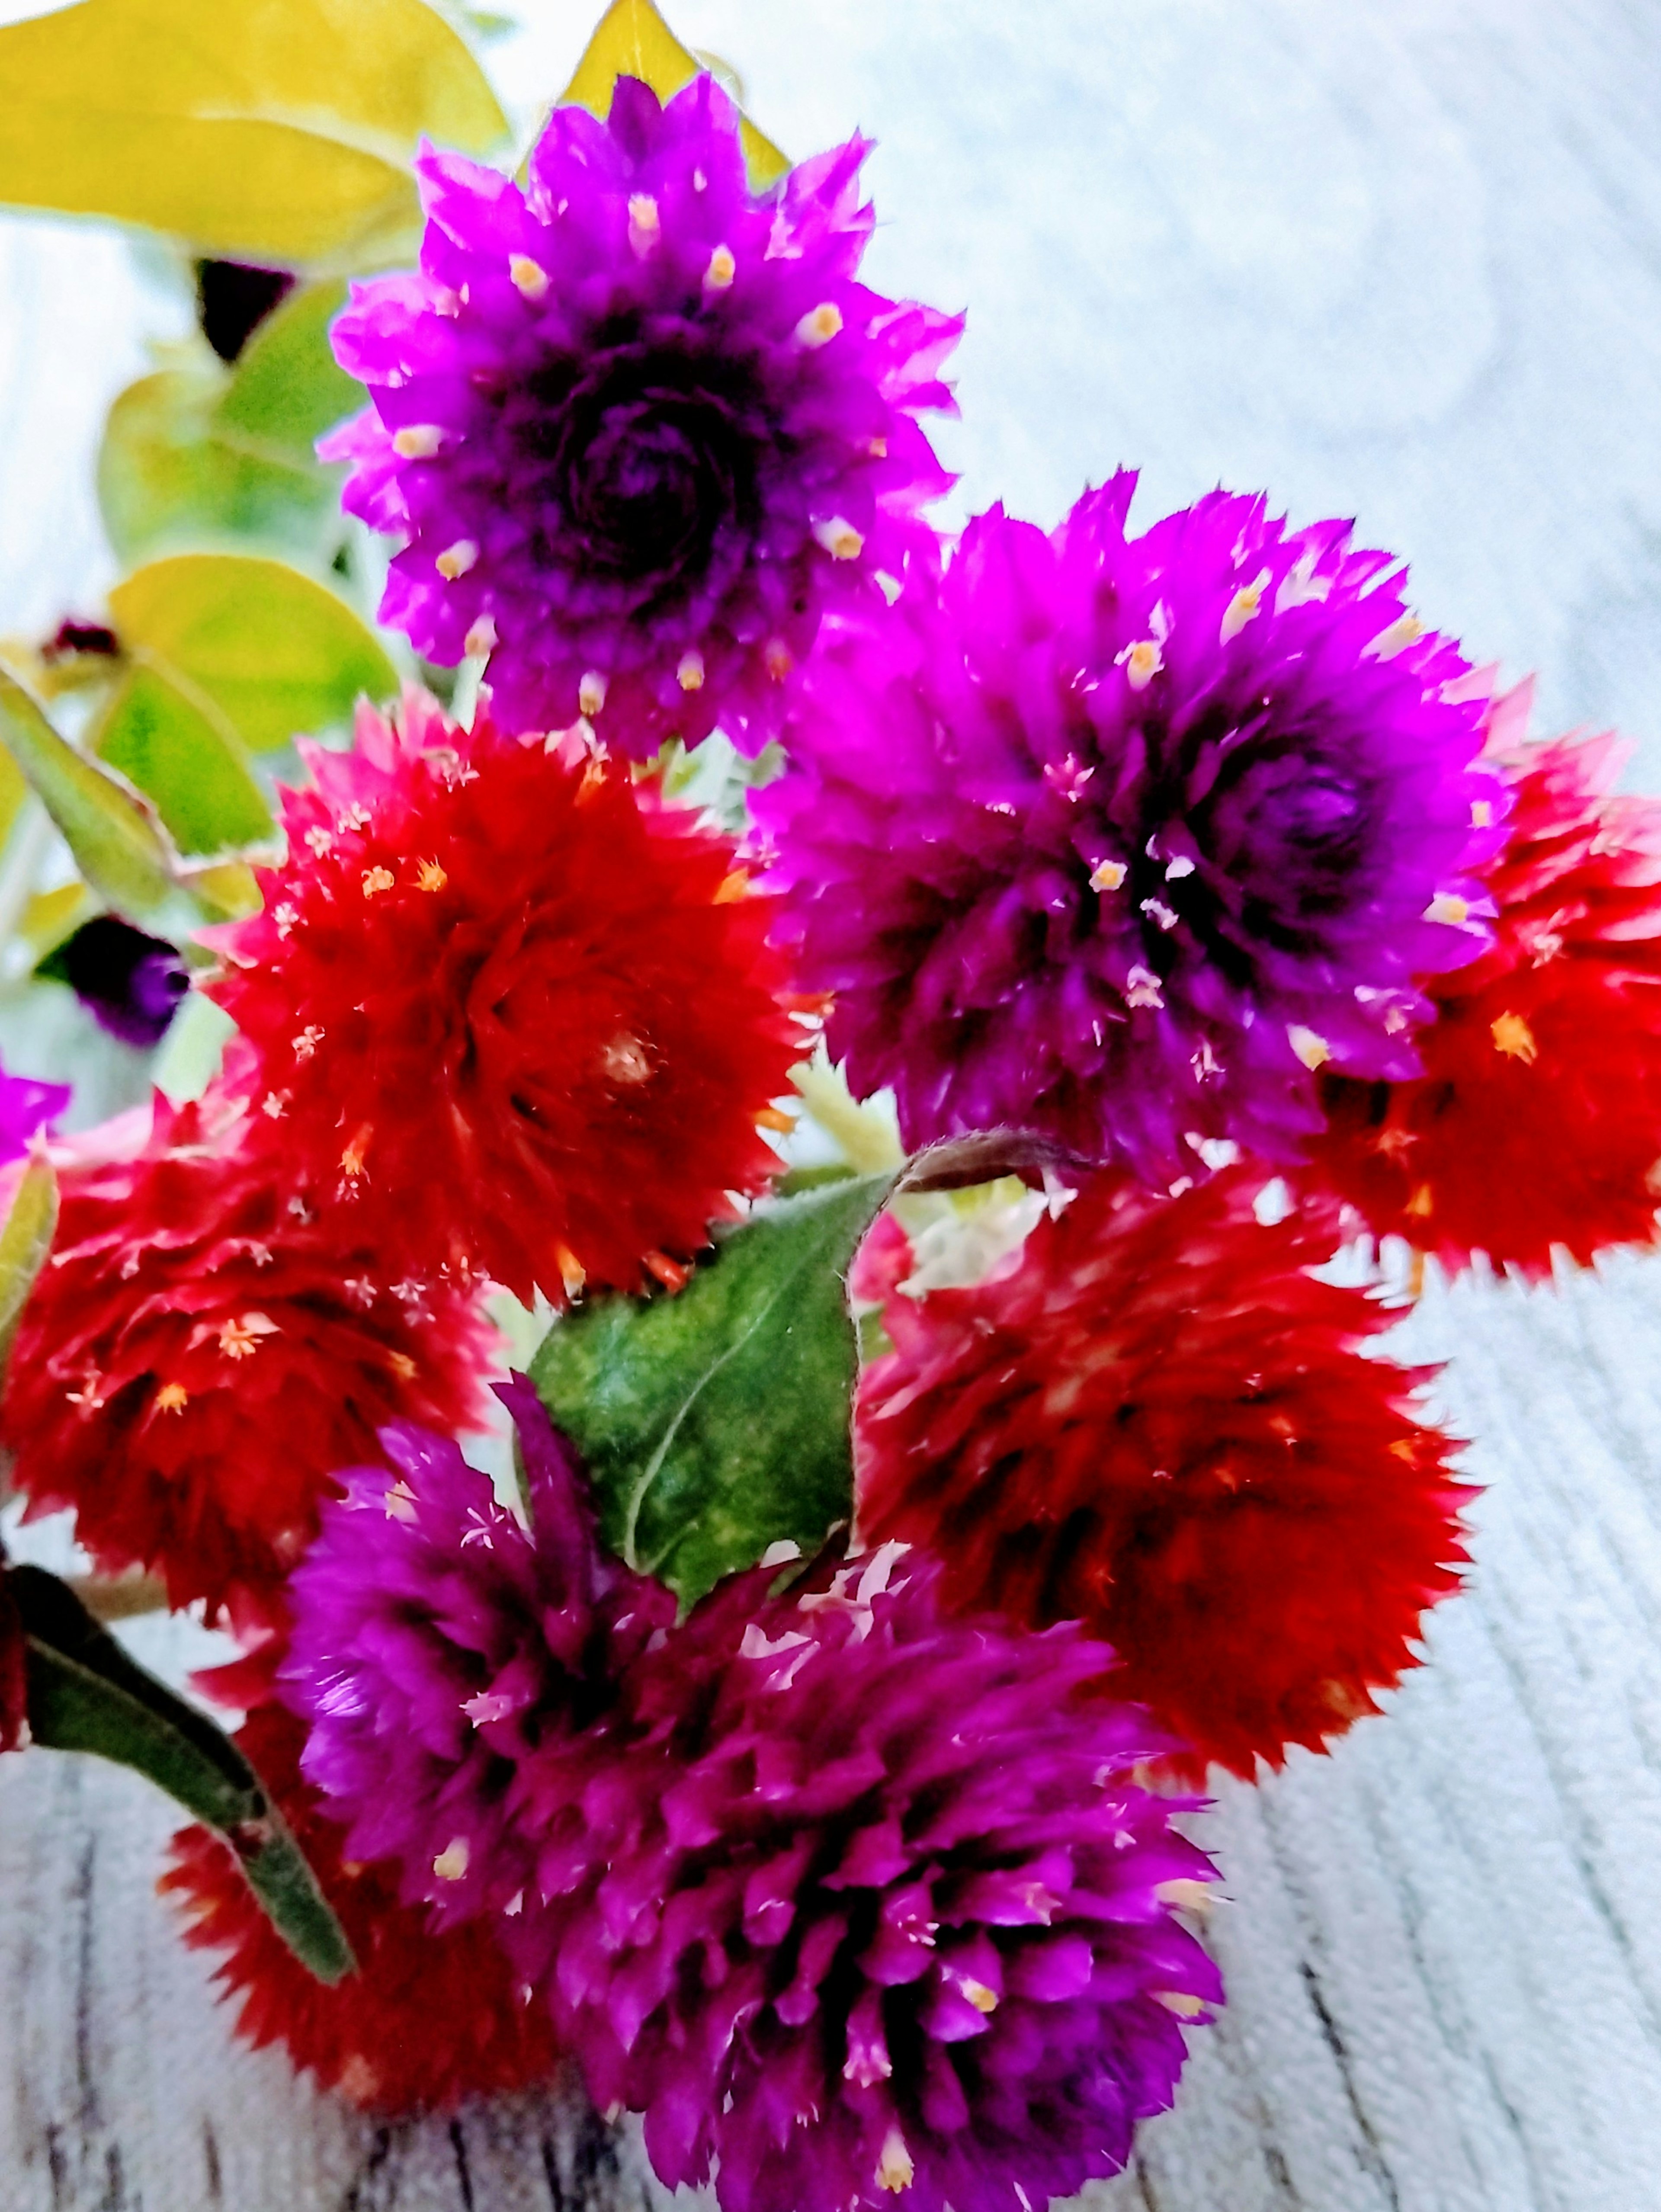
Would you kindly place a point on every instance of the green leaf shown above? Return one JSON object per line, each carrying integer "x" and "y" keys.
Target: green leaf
{"x": 174, "y": 742}
{"x": 24, "y": 1243}
{"x": 274, "y": 652}
{"x": 632, "y": 40}
{"x": 287, "y": 388}
{"x": 280, "y": 130}
{"x": 110, "y": 833}
{"x": 716, "y": 1423}
{"x": 173, "y": 473}
{"x": 86, "y": 1694}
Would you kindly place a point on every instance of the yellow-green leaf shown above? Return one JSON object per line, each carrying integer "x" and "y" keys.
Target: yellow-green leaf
{"x": 632, "y": 40}
{"x": 173, "y": 473}
{"x": 183, "y": 753}
{"x": 113, "y": 840}
{"x": 278, "y": 654}
{"x": 24, "y": 1243}
{"x": 274, "y": 128}
{"x": 287, "y": 388}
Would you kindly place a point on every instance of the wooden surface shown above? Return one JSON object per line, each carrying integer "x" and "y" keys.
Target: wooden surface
{"x": 1395, "y": 258}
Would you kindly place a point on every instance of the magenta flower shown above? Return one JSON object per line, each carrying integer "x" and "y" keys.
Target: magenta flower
{"x": 26, "y": 1106}
{"x": 1120, "y": 838}
{"x": 437, "y": 1642}
{"x": 637, "y": 426}
{"x": 883, "y": 1913}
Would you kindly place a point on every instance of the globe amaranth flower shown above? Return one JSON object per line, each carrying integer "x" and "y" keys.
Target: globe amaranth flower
{"x": 1119, "y": 838}
{"x": 637, "y": 426}
{"x": 429, "y": 2017}
{"x": 1161, "y": 1423}
{"x": 510, "y": 1007}
{"x": 886, "y": 1912}
{"x": 197, "y": 1358}
{"x": 437, "y": 1642}
{"x": 1537, "y": 1122}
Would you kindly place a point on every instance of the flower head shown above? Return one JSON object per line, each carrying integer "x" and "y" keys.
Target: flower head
{"x": 1161, "y": 1423}
{"x": 437, "y": 1642}
{"x": 510, "y": 1008}
{"x": 1120, "y": 838}
{"x": 636, "y": 425}
{"x": 1537, "y": 1121}
{"x": 885, "y": 1912}
{"x": 197, "y": 1358}
{"x": 429, "y": 2017}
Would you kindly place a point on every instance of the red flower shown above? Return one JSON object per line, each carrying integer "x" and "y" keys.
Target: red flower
{"x": 1160, "y": 1423}
{"x": 1538, "y": 1120}
{"x": 427, "y": 2020}
{"x": 199, "y": 1359}
{"x": 512, "y": 1006}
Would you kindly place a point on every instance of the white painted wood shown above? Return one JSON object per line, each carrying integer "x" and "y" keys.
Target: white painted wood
{"x": 1395, "y": 257}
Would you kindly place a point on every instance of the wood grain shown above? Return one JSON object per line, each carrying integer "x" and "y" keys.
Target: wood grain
{"x": 1395, "y": 257}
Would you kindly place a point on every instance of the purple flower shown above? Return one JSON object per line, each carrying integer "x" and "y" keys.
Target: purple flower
{"x": 636, "y": 425}
{"x": 879, "y": 1907}
{"x": 1121, "y": 838}
{"x": 131, "y": 983}
{"x": 437, "y": 1642}
{"x": 26, "y": 1106}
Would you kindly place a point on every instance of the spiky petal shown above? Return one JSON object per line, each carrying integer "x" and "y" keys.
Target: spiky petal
{"x": 511, "y": 1012}
{"x": 636, "y": 425}
{"x": 1163, "y": 1425}
{"x": 1120, "y": 838}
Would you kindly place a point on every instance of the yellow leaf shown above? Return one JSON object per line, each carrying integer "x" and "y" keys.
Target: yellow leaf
{"x": 275, "y": 129}
{"x": 633, "y": 40}
{"x": 51, "y": 916}
{"x": 25, "y": 1242}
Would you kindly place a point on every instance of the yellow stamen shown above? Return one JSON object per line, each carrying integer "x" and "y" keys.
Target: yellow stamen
{"x": 429, "y": 876}
{"x": 1514, "y": 1036}
{"x": 1108, "y": 875}
{"x": 172, "y": 1398}
{"x": 1311, "y": 1048}
{"x": 456, "y": 560}
{"x": 839, "y": 539}
{"x": 451, "y": 1864}
{"x": 819, "y": 325}
{"x": 721, "y": 270}
{"x": 377, "y": 879}
{"x": 690, "y": 674}
{"x": 531, "y": 276}
{"x": 894, "y": 2167}
{"x": 417, "y": 441}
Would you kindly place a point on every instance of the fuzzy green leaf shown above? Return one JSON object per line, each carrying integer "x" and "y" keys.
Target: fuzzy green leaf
{"x": 85, "y": 1694}
{"x": 276, "y": 130}
{"x": 287, "y": 388}
{"x": 716, "y": 1423}
{"x": 115, "y": 843}
{"x": 276, "y": 654}
{"x": 182, "y": 753}
{"x": 174, "y": 474}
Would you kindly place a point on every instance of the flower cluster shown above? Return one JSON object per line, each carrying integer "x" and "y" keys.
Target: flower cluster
{"x": 1182, "y": 866}
{"x": 1161, "y": 1423}
{"x": 508, "y": 1012}
{"x": 637, "y": 426}
{"x": 847, "y": 1896}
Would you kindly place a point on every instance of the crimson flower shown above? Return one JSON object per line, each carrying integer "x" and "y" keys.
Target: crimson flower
{"x": 1163, "y": 1425}
{"x": 511, "y": 1008}
{"x": 198, "y": 1356}
{"x": 1537, "y": 1122}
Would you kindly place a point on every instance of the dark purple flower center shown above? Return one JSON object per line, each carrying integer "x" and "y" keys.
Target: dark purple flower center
{"x": 131, "y": 982}
{"x": 640, "y": 462}
{"x": 1242, "y": 838}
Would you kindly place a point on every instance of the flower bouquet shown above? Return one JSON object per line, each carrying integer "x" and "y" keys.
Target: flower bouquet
{"x": 758, "y": 1281}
